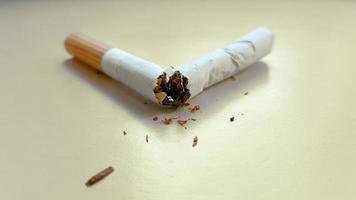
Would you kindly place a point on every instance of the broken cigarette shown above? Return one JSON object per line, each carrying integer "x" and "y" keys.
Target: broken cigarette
{"x": 171, "y": 87}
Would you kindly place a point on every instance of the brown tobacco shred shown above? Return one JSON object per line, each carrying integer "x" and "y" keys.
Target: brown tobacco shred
{"x": 195, "y": 108}
{"x": 124, "y": 133}
{"x": 145, "y": 103}
{"x": 167, "y": 121}
{"x": 232, "y": 119}
{"x": 195, "y": 141}
{"x": 173, "y": 92}
{"x": 246, "y": 93}
{"x": 182, "y": 122}
{"x": 146, "y": 138}
{"x": 155, "y": 118}
{"x": 99, "y": 72}
{"x": 186, "y": 104}
{"x": 233, "y": 78}
{"x": 99, "y": 176}
{"x": 193, "y": 119}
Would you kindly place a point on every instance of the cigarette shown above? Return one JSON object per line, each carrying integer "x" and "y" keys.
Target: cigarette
{"x": 171, "y": 87}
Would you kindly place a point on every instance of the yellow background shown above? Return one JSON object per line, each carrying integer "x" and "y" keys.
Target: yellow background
{"x": 60, "y": 122}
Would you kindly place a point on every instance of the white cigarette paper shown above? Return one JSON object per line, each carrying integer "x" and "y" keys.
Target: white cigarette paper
{"x": 225, "y": 62}
{"x": 141, "y": 75}
{"x": 136, "y": 73}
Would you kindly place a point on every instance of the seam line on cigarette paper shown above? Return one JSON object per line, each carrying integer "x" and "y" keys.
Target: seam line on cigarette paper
{"x": 248, "y": 42}
{"x": 235, "y": 58}
{"x": 239, "y": 57}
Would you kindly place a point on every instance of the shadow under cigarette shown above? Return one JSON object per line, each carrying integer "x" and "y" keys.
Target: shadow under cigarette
{"x": 212, "y": 99}
{"x": 118, "y": 92}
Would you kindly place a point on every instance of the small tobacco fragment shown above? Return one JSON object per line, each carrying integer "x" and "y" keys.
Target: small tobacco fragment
{"x": 246, "y": 93}
{"x": 233, "y": 78}
{"x": 167, "y": 121}
{"x": 195, "y": 141}
{"x": 193, "y": 119}
{"x": 99, "y": 72}
{"x": 99, "y": 176}
{"x": 232, "y": 119}
{"x": 145, "y": 103}
{"x": 182, "y": 122}
{"x": 195, "y": 108}
{"x": 186, "y": 104}
{"x": 124, "y": 133}
{"x": 155, "y": 118}
{"x": 146, "y": 138}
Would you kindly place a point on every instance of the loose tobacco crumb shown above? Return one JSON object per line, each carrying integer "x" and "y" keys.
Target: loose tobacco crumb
{"x": 182, "y": 122}
{"x": 146, "y": 138}
{"x": 167, "y": 121}
{"x": 246, "y": 93}
{"x": 193, "y": 119}
{"x": 155, "y": 118}
{"x": 233, "y": 78}
{"x": 124, "y": 133}
{"x": 194, "y": 109}
{"x": 145, "y": 103}
{"x": 232, "y": 119}
{"x": 195, "y": 141}
{"x": 99, "y": 176}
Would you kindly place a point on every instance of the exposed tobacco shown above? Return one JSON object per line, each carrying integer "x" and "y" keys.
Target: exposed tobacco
{"x": 155, "y": 118}
{"x": 193, "y": 119}
{"x": 146, "y": 138}
{"x": 246, "y": 93}
{"x": 233, "y": 78}
{"x": 124, "y": 133}
{"x": 99, "y": 176}
{"x": 232, "y": 119}
{"x": 173, "y": 92}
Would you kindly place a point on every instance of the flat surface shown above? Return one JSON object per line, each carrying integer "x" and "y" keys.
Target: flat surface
{"x": 60, "y": 122}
